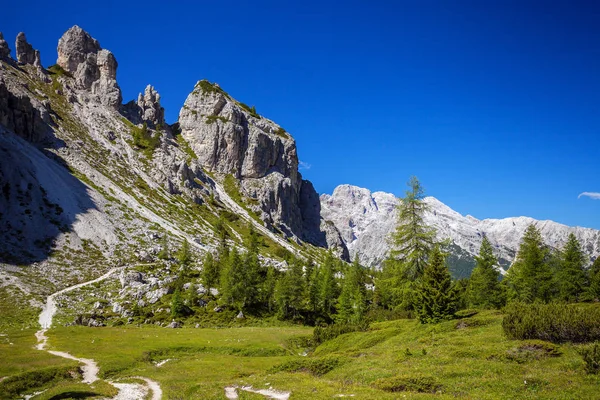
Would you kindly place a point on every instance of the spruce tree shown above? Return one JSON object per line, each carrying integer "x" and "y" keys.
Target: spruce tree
{"x": 233, "y": 288}
{"x": 164, "y": 253}
{"x": 411, "y": 242}
{"x": 437, "y": 298}
{"x": 252, "y": 270}
{"x": 530, "y": 277}
{"x": 571, "y": 274}
{"x": 289, "y": 292}
{"x": 351, "y": 306}
{"x": 484, "y": 289}
{"x": 178, "y": 308}
{"x": 312, "y": 287}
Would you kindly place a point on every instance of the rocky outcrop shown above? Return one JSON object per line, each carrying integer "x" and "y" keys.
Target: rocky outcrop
{"x": 25, "y": 52}
{"x": 146, "y": 109}
{"x": 366, "y": 220}
{"x": 230, "y": 138}
{"x": 93, "y": 68}
{"x": 23, "y": 114}
{"x": 4, "y": 49}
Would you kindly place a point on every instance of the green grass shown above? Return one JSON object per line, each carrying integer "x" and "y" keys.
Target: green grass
{"x": 468, "y": 358}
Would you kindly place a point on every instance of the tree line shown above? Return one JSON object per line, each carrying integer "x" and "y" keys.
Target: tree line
{"x": 414, "y": 281}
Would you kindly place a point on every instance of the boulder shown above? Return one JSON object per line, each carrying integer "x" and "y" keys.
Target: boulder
{"x": 174, "y": 324}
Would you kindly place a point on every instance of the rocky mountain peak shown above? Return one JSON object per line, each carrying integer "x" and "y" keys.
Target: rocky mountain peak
{"x": 4, "y": 49}
{"x": 94, "y": 68}
{"x": 25, "y": 52}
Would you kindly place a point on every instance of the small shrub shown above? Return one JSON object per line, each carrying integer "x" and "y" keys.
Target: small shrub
{"x": 324, "y": 333}
{"x": 281, "y": 132}
{"x": 591, "y": 357}
{"x": 314, "y": 366}
{"x": 419, "y": 384}
{"x": 532, "y": 350}
{"x": 212, "y": 118}
{"x": 556, "y": 323}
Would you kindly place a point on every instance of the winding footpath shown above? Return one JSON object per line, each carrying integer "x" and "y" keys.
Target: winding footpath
{"x": 127, "y": 391}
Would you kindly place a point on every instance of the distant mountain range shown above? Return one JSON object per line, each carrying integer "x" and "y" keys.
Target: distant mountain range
{"x": 366, "y": 220}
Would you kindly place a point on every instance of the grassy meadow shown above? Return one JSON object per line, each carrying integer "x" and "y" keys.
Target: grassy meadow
{"x": 463, "y": 358}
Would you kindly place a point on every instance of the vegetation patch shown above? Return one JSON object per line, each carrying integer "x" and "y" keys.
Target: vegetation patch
{"x": 209, "y": 88}
{"x": 591, "y": 357}
{"x": 418, "y": 383}
{"x": 12, "y": 386}
{"x": 324, "y": 333}
{"x": 532, "y": 350}
{"x": 313, "y": 366}
{"x": 556, "y": 323}
{"x": 212, "y": 118}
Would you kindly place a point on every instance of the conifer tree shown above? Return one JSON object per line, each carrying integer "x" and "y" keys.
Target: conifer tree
{"x": 530, "y": 277}
{"x": 328, "y": 288}
{"x": 484, "y": 289}
{"x": 177, "y": 306}
{"x": 289, "y": 292}
{"x": 210, "y": 271}
{"x": 593, "y": 291}
{"x": 312, "y": 287}
{"x": 571, "y": 274}
{"x": 437, "y": 298}
{"x": 411, "y": 243}
{"x": 252, "y": 269}
{"x": 183, "y": 255}
{"x": 233, "y": 288}
{"x": 351, "y": 306}
{"x": 164, "y": 253}
{"x": 267, "y": 293}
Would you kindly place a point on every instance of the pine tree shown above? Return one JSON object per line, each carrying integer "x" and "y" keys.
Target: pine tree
{"x": 311, "y": 275}
{"x": 530, "y": 278}
{"x": 411, "y": 243}
{"x": 210, "y": 271}
{"x": 484, "y": 289}
{"x": 437, "y": 299}
{"x": 593, "y": 291}
{"x": 267, "y": 293}
{"x": 252, "y": 270}
{"x": 571, "y": 275}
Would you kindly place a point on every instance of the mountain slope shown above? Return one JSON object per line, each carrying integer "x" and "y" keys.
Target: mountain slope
{"x": 365, "y": 221}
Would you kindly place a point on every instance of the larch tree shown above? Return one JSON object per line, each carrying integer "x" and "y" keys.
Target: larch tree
{"x": 411, "y": 243}
{"x": 593, "y": 290}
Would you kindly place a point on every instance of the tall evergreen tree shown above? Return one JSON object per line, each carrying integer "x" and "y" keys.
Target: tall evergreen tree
{"x": 351, "y": 306}
{"x": 437, "y": 298}
{"x": 530, "y": 277}
{"x": 328, "y": 287}
{"x": 183, "y": 255}
{"x": 312, "y": 287}
{"x": 571, "y": 274}
{"x": 178, "y": 308}
{"x": 411, "y": 243}
{"x": 484, "y": 289}
{"x": 210, "y": 271}
{"x": 593, "y": 291}
{"x": 289, "y": 292}
{"x": 252, "y": 270}
{"x": 164, "y": 253}
{"x": 233, "y": 288}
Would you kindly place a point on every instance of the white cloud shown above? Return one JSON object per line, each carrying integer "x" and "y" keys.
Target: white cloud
{"x": 591, "y": 195}
{"x": 303, "y": 165}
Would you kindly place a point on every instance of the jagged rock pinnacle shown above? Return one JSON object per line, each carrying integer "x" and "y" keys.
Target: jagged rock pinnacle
{"x": 25, "y": 52}
{"x": 4, "y": 49}
{"x": 94, "y": 68}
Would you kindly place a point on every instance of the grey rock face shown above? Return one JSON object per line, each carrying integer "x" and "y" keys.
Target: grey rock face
{"x": 94, "y": 68}
{"x": 229, "y": 138}
{"x": 23, "y": 113}
{"x": 150, "y": 109}
{"x": 4, "y": 49}
{"x": 25, "y": 52}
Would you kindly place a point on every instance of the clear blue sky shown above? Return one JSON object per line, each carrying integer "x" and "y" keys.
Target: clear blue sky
{"x": 494, "y": 105}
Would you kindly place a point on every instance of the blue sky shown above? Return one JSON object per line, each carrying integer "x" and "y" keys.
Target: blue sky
{"x": 494, "y": 105}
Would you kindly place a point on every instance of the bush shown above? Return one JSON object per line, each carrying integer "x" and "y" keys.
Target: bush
{"x": 314, "y": 366}
{"x": 591, "y": 357}
{"x": 13, "y": 385}
{"x": 556, "y": 323}
{"x": 324, "y": 333}
{"x": 419, "y": 383}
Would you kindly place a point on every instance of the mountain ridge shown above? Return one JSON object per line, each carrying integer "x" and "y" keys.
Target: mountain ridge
{"x": 366, "y": 219}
